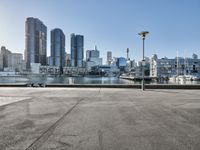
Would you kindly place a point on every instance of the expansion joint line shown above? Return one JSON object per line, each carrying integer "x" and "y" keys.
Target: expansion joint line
{"x": 16, "y": 102}
{"x": 45, "y": 135}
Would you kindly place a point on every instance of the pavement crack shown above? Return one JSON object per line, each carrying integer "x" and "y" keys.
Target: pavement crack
{"x": 45, "y": 135}
{"x": 66, "y": 144}
{"x": 28, "y": 99}
{"x": 72, "y": 135}
{"x": 100, "y": 136}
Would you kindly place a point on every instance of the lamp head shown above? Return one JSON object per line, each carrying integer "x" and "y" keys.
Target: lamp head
{"x": 143, "y": 34}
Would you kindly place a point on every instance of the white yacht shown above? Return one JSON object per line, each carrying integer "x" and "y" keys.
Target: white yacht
{"x": 188, "y": 78}
{"x": 183, "y": 78}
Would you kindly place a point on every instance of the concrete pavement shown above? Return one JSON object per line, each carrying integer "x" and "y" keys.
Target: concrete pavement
{"x": 99, "y": 119}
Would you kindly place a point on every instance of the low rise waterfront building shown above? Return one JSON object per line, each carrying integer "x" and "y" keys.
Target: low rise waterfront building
{"x": 165, "y": 67}
{"x": 50, "y": 70}
{"x": 105, "y": 70}
{"x": 89, "y": 65}
{"x": 74, "y": 71}
{"x": 146, "y": 65}
{"x": 7, "y": 73}
{"x": 35, "y": 68}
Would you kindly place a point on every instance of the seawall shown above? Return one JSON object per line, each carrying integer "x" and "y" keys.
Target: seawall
{"x": 134, "y": 86}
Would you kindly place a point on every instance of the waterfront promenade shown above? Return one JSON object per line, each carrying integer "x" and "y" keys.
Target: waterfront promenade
{"x": 99, "y": 119}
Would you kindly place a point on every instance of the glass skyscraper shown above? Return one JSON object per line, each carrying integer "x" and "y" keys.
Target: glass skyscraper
{"x": 35, "y": 42}
{"x": 77, "y": 50}
{"x": 57, "y": 48}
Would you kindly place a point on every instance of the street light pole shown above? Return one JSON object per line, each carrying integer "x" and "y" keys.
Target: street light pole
{"x": 143, "y": 35}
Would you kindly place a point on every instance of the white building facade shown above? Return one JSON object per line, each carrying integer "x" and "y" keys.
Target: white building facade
{"x": 15, "y": 62}
{"x": 165, "y": 67}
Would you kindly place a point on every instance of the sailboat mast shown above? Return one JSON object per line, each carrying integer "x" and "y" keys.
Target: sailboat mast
{"x": 177, "y": 64}
{"x": 185, "y": 65}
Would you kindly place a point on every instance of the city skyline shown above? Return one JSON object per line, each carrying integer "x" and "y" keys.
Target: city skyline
{"x": 112, "y": 26}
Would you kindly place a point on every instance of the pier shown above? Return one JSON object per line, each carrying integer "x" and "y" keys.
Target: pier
{"x": 99, "y": 118}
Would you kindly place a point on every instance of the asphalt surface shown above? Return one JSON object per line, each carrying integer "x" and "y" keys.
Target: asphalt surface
{"x": 99, "y": 119}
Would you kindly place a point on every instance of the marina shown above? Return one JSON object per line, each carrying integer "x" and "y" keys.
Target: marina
{"x": 90, "y": 80}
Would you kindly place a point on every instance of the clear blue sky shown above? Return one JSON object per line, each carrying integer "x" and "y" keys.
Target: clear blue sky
{"x": 112, "y": 25}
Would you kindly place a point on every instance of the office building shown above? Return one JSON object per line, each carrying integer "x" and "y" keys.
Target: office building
{"x": 121, "y": 63}
{"x": 92, "y": 58}
{"x": 87, "y": 55}
{"x": 1, "y": 62}
{"x": 15, "y": 61}
{"x": 77, "y": 50}
{"x": 5, "y": 52}
{"x": 35, "y": 41}
{"x": 194, "y": 56}
{"x": 57, "y": 48}
{"x": 68, "y": 60}
{"x": 92, "y": 54}
{"x": 11, "y": 61}
{"x": 49, "y": 60}
{"x": 127, "y": 54}
{"x": 109, "y": 58}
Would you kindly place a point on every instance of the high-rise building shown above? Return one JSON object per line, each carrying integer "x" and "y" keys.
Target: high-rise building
{"x": 127, "y": 54}
{"x": 10, "y": 61}
{"x": 1, "y": 62}
{"x": 5, "y": 52}
{"x": 121, "y": 63}
{"x": 194, "y": 56}
{"x": 57, "y": 48}
{"x": 77, "y": 50}
{"x": 87, "y": 55}
{"x": 15, "y": 61}
{"x": 92, "y": 54}
{"x": 68, "y": 60}
{"x": 92, "y": 58}
{"x": 109, "y": 57}
{"x": 35, "y": 42}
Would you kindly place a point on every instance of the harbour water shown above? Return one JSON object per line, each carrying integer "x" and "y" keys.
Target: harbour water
{"x": 80, "y": 80}
{"x": 65, "y": 80}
